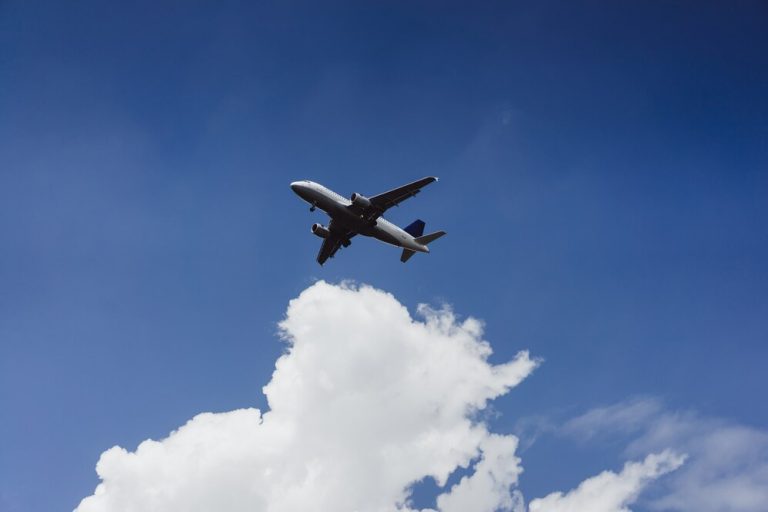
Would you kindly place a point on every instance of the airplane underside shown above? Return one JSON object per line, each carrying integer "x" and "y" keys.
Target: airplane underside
{"x": 362, "y": 215}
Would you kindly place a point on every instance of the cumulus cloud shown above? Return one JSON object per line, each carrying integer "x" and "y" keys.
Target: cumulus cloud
{"x": 608, "y": 491}
{"x": 365, "y": 402}
{"x": 727, "y": 468}
{"x": 487, "y": 489}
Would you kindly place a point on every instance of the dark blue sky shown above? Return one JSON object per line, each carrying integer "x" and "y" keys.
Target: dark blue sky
{"x": 603, "y": 182}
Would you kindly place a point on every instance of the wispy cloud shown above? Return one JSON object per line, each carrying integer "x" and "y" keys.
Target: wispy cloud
{"x": 727, "y": 468}
{"x": 608, "y": 491}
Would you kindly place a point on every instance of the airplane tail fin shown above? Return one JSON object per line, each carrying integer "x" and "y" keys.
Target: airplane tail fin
{"x": 423, "y": 240}
{"x": 415, "y": 228}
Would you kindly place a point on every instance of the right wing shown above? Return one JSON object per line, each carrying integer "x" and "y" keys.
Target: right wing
{"x": 333, "y": 243}
{"x": 382, "y": 202}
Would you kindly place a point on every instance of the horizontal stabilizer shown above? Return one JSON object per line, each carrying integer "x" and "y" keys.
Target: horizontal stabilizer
{"x": 407, "y": 253}
{"x": 426, "y": 239}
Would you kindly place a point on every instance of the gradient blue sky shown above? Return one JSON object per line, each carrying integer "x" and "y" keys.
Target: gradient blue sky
{"x": 603, "y": 185}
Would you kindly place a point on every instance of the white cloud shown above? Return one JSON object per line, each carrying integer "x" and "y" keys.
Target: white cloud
{"x": 368, "y": 401}
{"x": 487, "y": 489}
{"x": 365, "y": 402}
{"x": 727, "y": 468}
{"x": 608, "y": 491}
{"x": 627, "y": 417}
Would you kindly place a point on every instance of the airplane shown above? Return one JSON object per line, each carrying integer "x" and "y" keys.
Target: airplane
{"x": 362, "y": 215}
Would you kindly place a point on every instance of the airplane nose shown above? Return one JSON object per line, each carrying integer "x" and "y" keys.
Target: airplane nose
{"x": 295, "y": 186}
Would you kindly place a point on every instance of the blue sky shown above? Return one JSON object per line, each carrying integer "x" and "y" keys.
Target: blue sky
{"x": 602, "y": 182}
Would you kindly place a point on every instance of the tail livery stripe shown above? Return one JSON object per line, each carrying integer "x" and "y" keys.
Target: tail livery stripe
{"x": 415, "y": 228}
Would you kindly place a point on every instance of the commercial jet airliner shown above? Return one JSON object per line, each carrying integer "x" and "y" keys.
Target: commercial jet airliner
{"x": 362, "y": 215}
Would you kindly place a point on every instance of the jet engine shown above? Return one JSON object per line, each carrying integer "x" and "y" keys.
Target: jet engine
{"x": 320, "y": 230}
{"x": 360, "y": 200}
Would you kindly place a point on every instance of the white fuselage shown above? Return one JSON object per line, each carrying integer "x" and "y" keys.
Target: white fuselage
{"x": 338, "y": 209}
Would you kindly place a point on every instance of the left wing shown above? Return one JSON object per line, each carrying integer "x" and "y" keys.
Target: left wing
{"x": 328, "y": 249}
{"x": 333, "y": 243}
{"x": 382, "y": 202}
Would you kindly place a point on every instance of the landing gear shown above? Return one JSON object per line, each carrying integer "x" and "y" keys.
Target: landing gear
{"x": 346, "y": 242}
{"x": 313, "y": 207}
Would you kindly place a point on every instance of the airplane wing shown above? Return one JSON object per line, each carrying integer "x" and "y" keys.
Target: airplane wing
{"x": 328, "y": 249}
{"x": 382, "y": 202}
{"x": 333, "y": 242}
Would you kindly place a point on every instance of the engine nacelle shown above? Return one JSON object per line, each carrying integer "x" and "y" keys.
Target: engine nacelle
{"x": 360, "y": 200}
{"x": 320, "y": 230}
